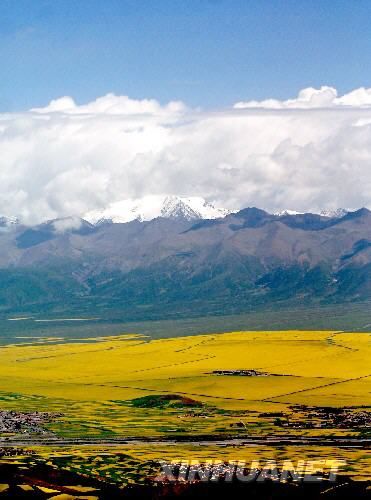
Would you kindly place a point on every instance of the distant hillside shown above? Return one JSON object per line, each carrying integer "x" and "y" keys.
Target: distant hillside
{"x": 169, "y": 266}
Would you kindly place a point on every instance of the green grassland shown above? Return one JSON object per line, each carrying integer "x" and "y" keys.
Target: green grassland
{"x": 70, "y": 326}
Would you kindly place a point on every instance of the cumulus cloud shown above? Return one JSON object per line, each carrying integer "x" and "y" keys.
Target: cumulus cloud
{"x": 67, "y": 224}
{"x": 308, "y": 153}
{"x": 310, "y": 98}
{"x": 112, "y": 105}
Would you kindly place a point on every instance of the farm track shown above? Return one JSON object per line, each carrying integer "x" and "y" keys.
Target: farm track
{"x": 271, "y": 399}
{"x": 350, "y": 442}
{"x": 171, "y": 365}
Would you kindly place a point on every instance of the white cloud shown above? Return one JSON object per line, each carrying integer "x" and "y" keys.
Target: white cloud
{"x": 310, "y": 98}
{"x": 306, "y": 153}
{"x": 111, "y": 104}
{"x": 67, "y": 224}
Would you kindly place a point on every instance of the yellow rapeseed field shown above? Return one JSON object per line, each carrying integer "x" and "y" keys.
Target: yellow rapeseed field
{"x": 94, "y": 384}
{"x": 309, "y": 367}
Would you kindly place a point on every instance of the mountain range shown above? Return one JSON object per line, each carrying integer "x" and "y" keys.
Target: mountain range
{"x": 194, "y": 259}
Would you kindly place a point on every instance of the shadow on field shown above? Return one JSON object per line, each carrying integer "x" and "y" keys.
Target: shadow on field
{"x": 45, "y": 482}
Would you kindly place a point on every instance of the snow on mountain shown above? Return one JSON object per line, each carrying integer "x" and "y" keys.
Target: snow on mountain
{"x": 150, "y": 207}
{"x": 287, "y": 212}
{"x": 334, "y": 214}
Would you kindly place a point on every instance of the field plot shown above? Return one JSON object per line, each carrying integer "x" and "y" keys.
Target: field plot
{"x": 120, "y": 385}
{"x": 228, "y": 386}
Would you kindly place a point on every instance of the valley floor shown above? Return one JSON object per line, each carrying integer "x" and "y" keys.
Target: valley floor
{"x": 112, "y": 408}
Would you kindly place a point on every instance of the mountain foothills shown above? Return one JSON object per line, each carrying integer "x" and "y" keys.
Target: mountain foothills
{"x": 193, "y": 259}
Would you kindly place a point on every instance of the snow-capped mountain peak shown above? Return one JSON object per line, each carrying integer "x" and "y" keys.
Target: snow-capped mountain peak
{"x": 174, "y": 207}
{"x": 281, "y": 213}
{"x": 332, "y": 214}
{"x": 151, "y": 207}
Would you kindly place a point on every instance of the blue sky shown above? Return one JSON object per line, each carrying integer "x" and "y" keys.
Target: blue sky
{"x": 208, "y": 53}
{"x": 307, "y": 153}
